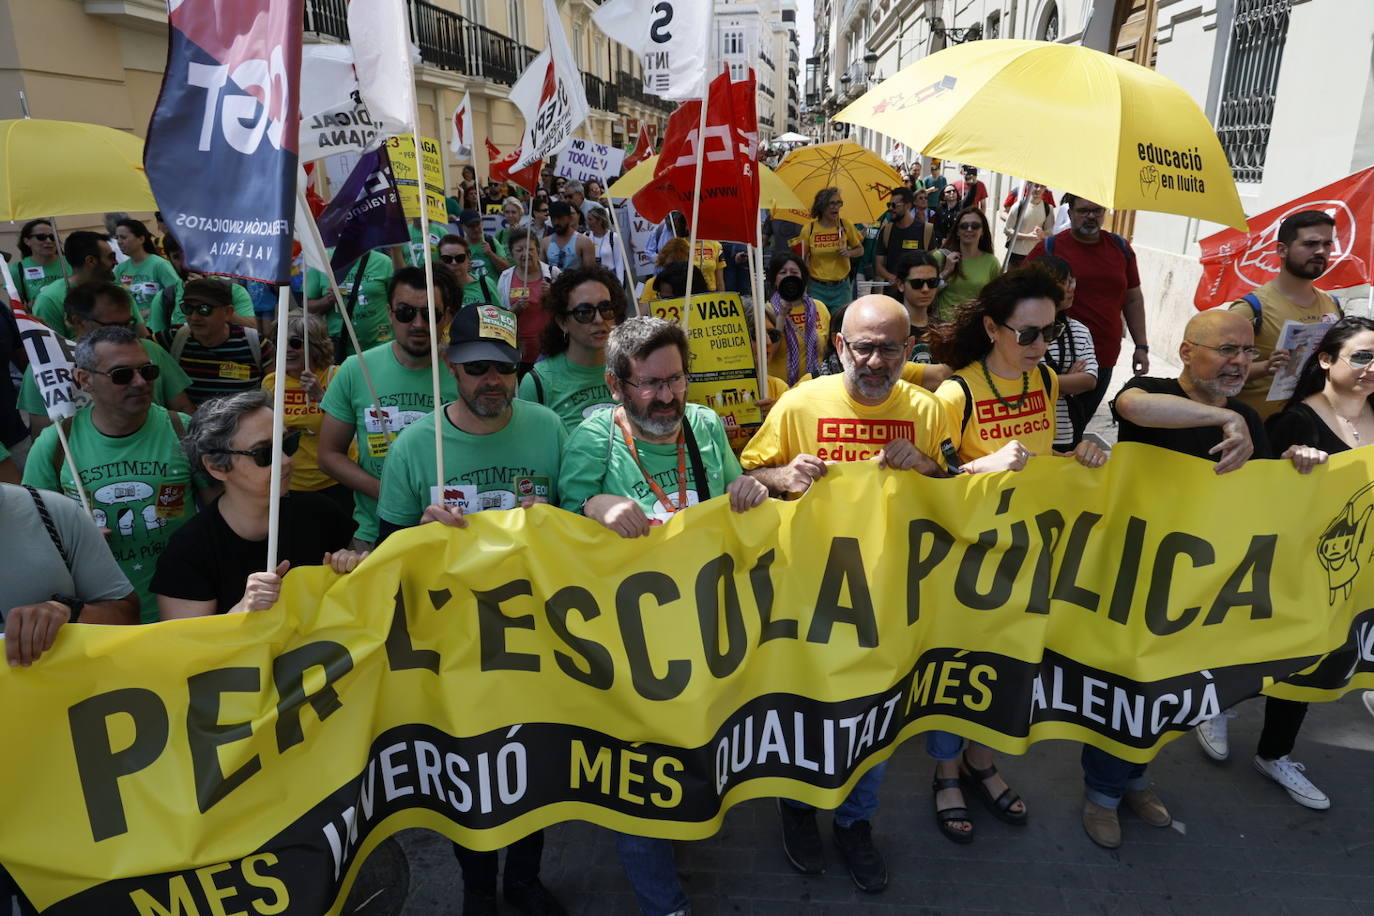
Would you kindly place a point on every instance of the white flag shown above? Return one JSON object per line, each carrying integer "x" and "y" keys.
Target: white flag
{"x": 461, "y": 142}
{"x": 672, "y": 38}
{"x": 333, "y": 116}
{"x": 549, "y": 94}
{"x": 382, "y": 59}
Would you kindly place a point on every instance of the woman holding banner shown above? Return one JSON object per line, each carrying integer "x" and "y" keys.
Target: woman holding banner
{"x": 996, "y": 345}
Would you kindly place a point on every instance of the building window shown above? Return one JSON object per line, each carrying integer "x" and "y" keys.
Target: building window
{"x": 516, "y": 18}
{"x": 475, "y": 11}
{"x": 1252, "y": 79}
{"x": 733, "y": 43}
{"x": 1049, "y": 28}
{"x": 994, "y": 29}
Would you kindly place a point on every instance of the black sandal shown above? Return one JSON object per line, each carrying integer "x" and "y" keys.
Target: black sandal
{"x": 1000, "y": 806}
{"x": 945, "y": 817}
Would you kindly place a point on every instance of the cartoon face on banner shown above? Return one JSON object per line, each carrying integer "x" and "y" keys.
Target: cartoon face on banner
{"x": 1260, "y": 261}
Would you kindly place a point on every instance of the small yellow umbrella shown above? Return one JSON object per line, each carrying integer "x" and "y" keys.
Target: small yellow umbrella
{"x": 773, "y": 191}
{"x": 865, "y": 181}
{"x": 1067, "y": 116}
{"x": 60, "y": 168}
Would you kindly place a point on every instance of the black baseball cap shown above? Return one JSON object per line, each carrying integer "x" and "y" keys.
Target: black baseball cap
{"x": 469, "y": 216}
{"x": 482, "y": 331}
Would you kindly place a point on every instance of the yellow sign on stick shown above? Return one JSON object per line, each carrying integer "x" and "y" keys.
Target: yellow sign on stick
{"x": 401, "y": 149}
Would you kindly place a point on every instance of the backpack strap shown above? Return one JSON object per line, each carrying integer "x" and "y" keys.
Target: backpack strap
{"x": 179, "y": 341}
{"x": 177, "y": 427}
{"x": 929, "y": 231}
{"x": 698, "y": 469}
{"x": 49, "y": 526}
{"x": 1049, "y": 246}
{"x": 538, "y": 384}
{"x": 1124, "y": 245}
{"x": 66, "y": 424}
{"x": 168, "y": 306}
{"x": 968, "y": 401}
{"x": 254, "y": 345}
{"x": 1045, "y": 378}
{"x": 1254, "y": 302}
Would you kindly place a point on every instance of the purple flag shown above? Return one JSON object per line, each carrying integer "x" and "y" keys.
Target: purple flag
{"x": 366, "y": 212}
{"x": 222, "y": 143}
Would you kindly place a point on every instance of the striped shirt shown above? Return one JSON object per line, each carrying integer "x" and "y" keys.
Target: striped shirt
{"x": 218, "y": 371}
{"x": 1074, "y": 344}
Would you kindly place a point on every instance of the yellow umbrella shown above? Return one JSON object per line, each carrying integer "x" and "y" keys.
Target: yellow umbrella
{"x": 1070, "y": 117}
{"x": 773, "y": 191}
{"x": 864, "y": 179}
{"x": 59, "y": 168}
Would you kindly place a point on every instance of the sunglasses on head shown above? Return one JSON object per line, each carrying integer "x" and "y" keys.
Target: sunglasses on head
{"x": 405, "y": 314}
{"x": 1026, "y": 336}
{"x": 43, "y": 236}
{"x": 204, "y": 309}
{"x": 262, "y": 454}
{"x": 480, "y": 367}
{"x": 123, "y": 375}
{"x": 585, "y": 312}
{"x": 453, "y": 258}
{"x": 923, "y": 282}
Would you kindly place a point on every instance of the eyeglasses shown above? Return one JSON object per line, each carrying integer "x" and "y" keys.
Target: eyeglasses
{"x": 204, "y": 309}
{"x": 923, "y": 282}
{"x": 864, "y": 349}
{"x": 295, "y": 343}
{"x": 480, "y": 367}
{"x": 586, "y": 312}
{"x": 774, "y": 335}
{"x": 966, "y": 226}
{"x": 1360, "y": 359}
{"x": 43, "y": 237}
{"x": 676, "y": 384}
{"x": 405, "y": 314}
{"x": 123, "y": 375}
{"x": 1089, "y": 211}
{"x": 1230, "y": 351}
{"x": 262, "y": 454}
{"x": 1026, "y": 336}
{"x": 453, "y": 258}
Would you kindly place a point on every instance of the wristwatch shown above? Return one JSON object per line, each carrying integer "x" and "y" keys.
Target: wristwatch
{"x": 75, "y": 605}
{"x": 1145, "y": 347}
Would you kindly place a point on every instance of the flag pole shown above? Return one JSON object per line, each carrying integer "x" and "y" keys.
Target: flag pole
{"x": 756, "y": 254}
{"x": 701, "y": 161}
{"x": 278, "y": 428}
{"x": 613, "y": 226}
{"x": 71, "y": 467}
{"x": 429, "y": 302}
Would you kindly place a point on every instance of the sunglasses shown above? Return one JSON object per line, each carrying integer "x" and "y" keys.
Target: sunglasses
{"x": 923, "y": 282}
{"x": 1360, "y": 359}
{"x": 774, "y": 335}
{"x": 480, "y": 367}
{"x": 453, "y": 258}
{"x": 295, "y": 343}
{"x": 1026, "y": 336}
{"x": 262, "y": 454}
{"x": 203, "y": 309}
{"x": 43, "y": 237}
{"x": 963, "y": 226}
{"x": 585, "y": 312}
{"x": 405, "y": 314}
{"x": 123, "y": 375}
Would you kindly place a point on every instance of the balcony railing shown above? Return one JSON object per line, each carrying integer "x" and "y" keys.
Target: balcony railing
{"x": 632, "y": 88}
{"x": 600, "y": 94}
{"x": 327, "y": 17}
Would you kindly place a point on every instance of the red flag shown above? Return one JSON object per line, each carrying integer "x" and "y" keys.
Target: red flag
{"x": 312, "y": 191}
{"x": 499, "y": 167}
{"x": 729, "y": 176}
{"x": 1234, "y": 263}
{"x": 644, "y": 148}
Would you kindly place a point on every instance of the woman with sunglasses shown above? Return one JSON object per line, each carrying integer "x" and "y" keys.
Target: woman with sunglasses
{"x": 946, "y": 210}
{"x": 831, "y": 246}
{"x": 454, "y": 254}
{"x": 1000, "y": 403}
{"x": 215, "y": 563}
{"x": 581, "y": 308}
{"x": 521, "y": 289}
{"x": 805, "y": 326}
{"x": 145, "y": 274}
{"x": 307, "y": 378}
{"x": 39, "y": 263}
{"x": 967, "y": 262}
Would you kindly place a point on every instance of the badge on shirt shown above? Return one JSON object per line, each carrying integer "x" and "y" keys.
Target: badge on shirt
{"x": 171, "y": 500}
{"x": 457, "y": 496}
{"x": 372, "y": 420}
{"x": 236, "y": 371}
{"x": 33, "y": 273}
{"x": 149, "y": 288}
{"x": 527, "y": 485}
{"x": 911, "y": 244}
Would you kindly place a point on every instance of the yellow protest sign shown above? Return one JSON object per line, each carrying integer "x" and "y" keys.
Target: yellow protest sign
{"x": 401, "y": 149}
{"x": 534, "y": 667}
{"x": 722, "y": 370}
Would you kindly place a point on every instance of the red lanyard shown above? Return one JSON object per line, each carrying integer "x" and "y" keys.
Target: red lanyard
{"x": 653, "y": 484}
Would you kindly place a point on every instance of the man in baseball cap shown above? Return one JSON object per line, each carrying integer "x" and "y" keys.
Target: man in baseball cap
{"x": 489, "y": 256}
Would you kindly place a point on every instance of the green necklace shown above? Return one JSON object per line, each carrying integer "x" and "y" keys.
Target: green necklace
{"x": 1025, "y": 387}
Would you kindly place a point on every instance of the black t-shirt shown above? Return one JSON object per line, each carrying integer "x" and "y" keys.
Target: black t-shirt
{"x": 900, "y": 241}
{"x": 206, "y": 561}
{"x": 1300, "y": 425}
{"x": 1192, "y": 440}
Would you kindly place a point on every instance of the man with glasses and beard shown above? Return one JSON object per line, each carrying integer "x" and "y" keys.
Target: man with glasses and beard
{"x": 400, "y": 369}
{"x": 1197, "y": 414}
{"x": 1304, "y": 246}
{"x": 634, "y": 467}
{"x": 867, "y": 413}
{"x": 905, "y": 233}
{"x": 499, "y": 452}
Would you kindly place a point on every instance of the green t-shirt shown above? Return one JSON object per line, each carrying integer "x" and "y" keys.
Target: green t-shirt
{"x": 50, "y": 307}
{"x": 238, "y": 294}
{"x": 30, "y": 277}
{"x": 139, "y": 485}
{"x": 966, "y": 282}
{"x": 146, "y": 281}
{"x": 572, "y": 391}
{"x": 369, "y": 313}
{"x": 415, "y": 251}
{"x": 528, "y": 446}
{"x": 482, "y": 290}
{"x": 596, "y": 460}
{"x": 406, "y": 395}
{"x": 171, "y": 382}
{"x": 481, "y": 264}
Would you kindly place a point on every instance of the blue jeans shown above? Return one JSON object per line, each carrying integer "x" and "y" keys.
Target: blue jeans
{"x": 1107, "y": 778}
{"x": 861, "y": 803}
{"x": 648, "y": 865}
{"x": 944, "y": 746}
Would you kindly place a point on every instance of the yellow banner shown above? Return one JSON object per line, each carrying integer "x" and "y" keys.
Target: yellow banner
{"x": 401, "y": 150}
{"x": 246, "y": 763}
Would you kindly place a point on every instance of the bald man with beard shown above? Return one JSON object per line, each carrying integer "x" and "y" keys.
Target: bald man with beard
{"x": 1197, "y": 414}
{"x": 866, "y": 413}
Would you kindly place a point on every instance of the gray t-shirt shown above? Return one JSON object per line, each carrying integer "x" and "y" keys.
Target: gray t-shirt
{"x": 25, "y": 545}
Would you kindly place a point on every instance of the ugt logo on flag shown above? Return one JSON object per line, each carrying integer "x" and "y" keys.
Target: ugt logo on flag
{"x": 222, "y": 143}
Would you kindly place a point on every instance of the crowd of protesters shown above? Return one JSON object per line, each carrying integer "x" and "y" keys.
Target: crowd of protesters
{"x": 553, "y": 381}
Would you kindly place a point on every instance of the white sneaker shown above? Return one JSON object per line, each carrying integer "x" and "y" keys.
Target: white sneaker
{"x": 1211, "y": 734}
{"x": 1288, "y": 773}
{"x": 1369, "y": 701}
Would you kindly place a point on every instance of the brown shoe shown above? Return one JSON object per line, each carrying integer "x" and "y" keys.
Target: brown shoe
{"x": 1147, "y": 806}
{"x": 1102, "y": 825}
